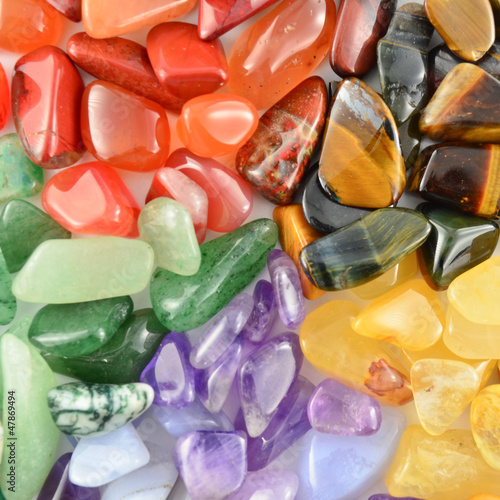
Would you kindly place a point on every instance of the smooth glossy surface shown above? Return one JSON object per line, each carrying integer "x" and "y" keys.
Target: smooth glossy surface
{"x": 8, "y": 304}
{"x": 4, "y": 98}
{"x": 72, "y": 9}
{"x": 268, "y": 484}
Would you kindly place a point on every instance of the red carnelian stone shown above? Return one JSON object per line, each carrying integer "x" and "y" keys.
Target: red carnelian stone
{"x": 229, "y": 196}
{"x": 4, "y": 98}
{"x": 46, "y": 98}
{"x": 91, "y": 199}
{"x": 124, "y": 129}
{"x": 72, "y": 9}
{"x": 186, "y": 65}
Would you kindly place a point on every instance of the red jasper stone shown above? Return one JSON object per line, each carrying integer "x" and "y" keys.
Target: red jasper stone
{"x": 124, "y": 129}
{"x": 229, "y": 196}
{"x": 91, "y": 199}
{"x": 186, "y": 65}
{"x": 46, "y": 96}
{"x": 4, "y": 98}
{"x": 123, "y": 62}
{"x": 72, "y": 9}
{"x": 216, "y": 17}
{"x": 360, "y": 25}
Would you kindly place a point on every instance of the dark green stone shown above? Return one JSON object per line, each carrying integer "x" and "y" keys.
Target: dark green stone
{"x": 8, "y": 303}
{"x": 22, "y": 228}
{"x": 228, "y": 264}
{"x": 457, "y": 242}
{"x": 122, "y": 359}
{"x": 364, "y": 249}
{"x": 72, "y": 330}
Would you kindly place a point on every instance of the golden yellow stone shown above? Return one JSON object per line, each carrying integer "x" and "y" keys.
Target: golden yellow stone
{"x": 484, "y": 497}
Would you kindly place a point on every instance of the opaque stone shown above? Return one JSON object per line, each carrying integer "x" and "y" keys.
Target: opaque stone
{"x": 123, "y": 129}
{"x": 410, "y": 137}
{"x": 228, "y": 264}
{"x": 364, "y": 249}
{"x": 266, "y": 484}
{"x": 91, "y": 199}
{"x": 216, "y": 124}
{"x": 296, "y": 36}
{"x": 184, "y": 64}
{"x": 116, "y": 17}
{"x": 467, "y": 26}
{"x": 167, "y": 226}
{"x": 276, "y": 157}
{"x": 457, "y": 243}
{"x": 73, "y": 330}
{"x": 26, "y": 25}
{"x": 360, "y": 25}
{"x": 72, "y": 9}
{"x": 484, "y": 497}
{"x": 4, "y": 98}
{"x": 68, "y": 271}
{"x": 370, "y": 366}
{"x": 361, "y": 162}
{"x": 8, "y": 303}
{"x": 19, "y": 177}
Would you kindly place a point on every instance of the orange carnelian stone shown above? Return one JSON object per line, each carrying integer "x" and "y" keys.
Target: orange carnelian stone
{"x": 4, "y": 98}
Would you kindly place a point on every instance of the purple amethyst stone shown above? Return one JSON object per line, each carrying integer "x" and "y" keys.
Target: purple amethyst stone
{"x": 263, "y": 315}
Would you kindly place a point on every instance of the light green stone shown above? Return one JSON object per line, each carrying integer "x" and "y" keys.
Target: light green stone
{"x": 27, "y": 378}
{"x": 167, "y": 226}
{"x": 8, "y": 303}
{"x": 67, "y": 271}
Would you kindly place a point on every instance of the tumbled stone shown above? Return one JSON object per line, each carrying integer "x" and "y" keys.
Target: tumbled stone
{"x": 268, "y": 484}
{"x": 8, "y": 303}
{"x": 263, "y": 315}
{"x": 4, "y": 98}
{"x": 72, "y": 9}
{"x": 384, "y": 496}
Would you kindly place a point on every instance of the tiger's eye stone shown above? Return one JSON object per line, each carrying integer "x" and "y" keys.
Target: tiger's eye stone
{"x": 359, "y": 27}
{"x": 124, "y": 129}
{"x": 462, "y": 176}
{"x": 280, "y": 50}
{"x": 466, "y": 107}
{"x": 467, "y": 26}
{"x": 4, "y": 98}
{"x": 276, "y": 157}
{"x": 361, "y": 162}
{"x": 72, "y": 9}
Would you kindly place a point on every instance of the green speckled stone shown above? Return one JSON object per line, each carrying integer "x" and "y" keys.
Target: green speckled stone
{"x": 19, "y": 177}
{"x": 122, "y": 359}
{"x": 365, "y": 249}
{"x": 72, "y": 330}
{"x": 228, "y": 264}
{"x": 8, "y": 303}
{"x": 22, "y": 228}
{"x": 26, "y": 374}
{"x": 90, "y": 410}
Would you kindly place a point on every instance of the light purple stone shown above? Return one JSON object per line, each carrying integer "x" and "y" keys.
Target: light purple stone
{"x": 264, "y": 379}
{"x": 213, "y": 383}
{"x": 287, "y": 288}
{"x": 288, "y": 424}
{"x": 268, "y": 485}
{"x": 337, "y": 409}
{"x": 221, "y": 333}
{"x": 264, "y": 313}
{"x": 211, "y": 464}
{"x": 386, "y": 496}
{"x": 170, "y": 373}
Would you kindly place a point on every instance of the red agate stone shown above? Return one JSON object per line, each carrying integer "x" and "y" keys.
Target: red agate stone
{"x": 46, "y": 98}
{"x": 4, "y": 98}
{"x": 229, "y": 196}
{"x": 72, "y": 9}
{"x": 186, "y": 65}
{"x": 91, "y": 199}
{"x": 123, "y": 62}
{"x": 124, "y": 129}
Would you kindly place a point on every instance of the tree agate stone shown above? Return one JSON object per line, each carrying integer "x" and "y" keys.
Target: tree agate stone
{"x": 73, "y": 330}
{"x": 228, "y": 264}
{"x": 8, "y": 303}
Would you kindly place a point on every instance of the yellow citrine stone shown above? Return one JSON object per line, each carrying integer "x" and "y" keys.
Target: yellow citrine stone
{"x": 484, "y": 497}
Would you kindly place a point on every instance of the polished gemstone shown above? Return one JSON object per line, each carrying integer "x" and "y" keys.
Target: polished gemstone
{"x": 121, "y": 61}
{"x": 8, "y": 303}
{"x": 4, "y": 98}
{"x": 123, "y": 129}
{"x": 280, "y": 50}
{"x": 476, "y": 32}
{"x": 276, "y": 157}
{"x": 216, "y": 124}
{"x": 410, "y": 137}
{"x": 365, "y": 249}
{"x": 184, "y": 64}
{"x": 72, "y": 9}
{"x": 384, "y": 496}
{"x": 91, "y": 199}
{"x": 267, "y": 485}
{"x": 361, "y": 162}
{"x": 228, "y": 264}
{"x": 360, "y": 25}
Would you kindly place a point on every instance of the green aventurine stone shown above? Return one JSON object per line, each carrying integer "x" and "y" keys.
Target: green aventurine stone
{"x": 8, "y": 303}
{"x": 72, "y": 330}
{"x": 122, "y": 359}
{"x": 69, "y": 271}
{"x": 19, "y": 177}
{"x": 22, "y": 228}
{"x": 228, "y": 264}
{"x": 26, "y": 381}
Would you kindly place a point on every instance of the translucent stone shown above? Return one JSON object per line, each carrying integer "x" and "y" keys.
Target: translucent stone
{"x": 268, "y": 485}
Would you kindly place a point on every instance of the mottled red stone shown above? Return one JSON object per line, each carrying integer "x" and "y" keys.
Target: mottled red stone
{"x": 4, "y": 98}
{"x": 360, "y": 25}
{"x": 123, "y": 62}
{"x": 216, "y": 17}
{"x": 275, "y": 158}
{"x": 46, "y": 96}
{"x": 186, "y": 65}
{"x": 72, "y": 9}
